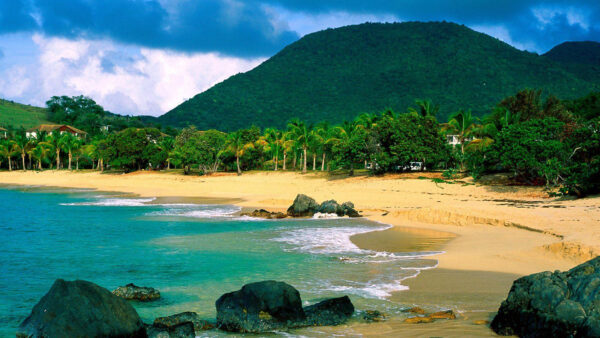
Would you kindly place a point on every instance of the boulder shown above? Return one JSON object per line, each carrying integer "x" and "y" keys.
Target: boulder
{"x": 331, "y": 207}
{"x": 559, "y": 304}
{"x": 81, "y": 309}
{"x": 348, "y": 208}
{"x": 332, "y": 311}
{"x": 259, "y": 307}
{"x": 139, "y": 293}
{"x": 181, "y": 330}
{"x": 184, "y": 317}
{"x": 303, "y": 206}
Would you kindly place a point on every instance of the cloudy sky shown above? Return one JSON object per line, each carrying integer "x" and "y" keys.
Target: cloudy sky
{"x": 147, "y": 56}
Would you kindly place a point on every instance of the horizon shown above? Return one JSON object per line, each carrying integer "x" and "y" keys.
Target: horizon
{"x": 145, "y": 58}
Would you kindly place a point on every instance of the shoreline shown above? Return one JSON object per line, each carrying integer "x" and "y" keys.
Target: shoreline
{"x": 490, "y": 235}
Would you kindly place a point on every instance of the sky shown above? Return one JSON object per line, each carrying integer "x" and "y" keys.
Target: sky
{"x": 144, "y": 57}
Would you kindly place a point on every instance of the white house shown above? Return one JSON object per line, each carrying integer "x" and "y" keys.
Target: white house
{"x": 50, "y": 128}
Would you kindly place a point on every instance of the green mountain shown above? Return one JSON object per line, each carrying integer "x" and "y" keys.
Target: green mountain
{"x": 16, "y": 115}
{"x": 582, "y": 52}
{"x": 337, "y": 74}
{"x": 580, "y": 58}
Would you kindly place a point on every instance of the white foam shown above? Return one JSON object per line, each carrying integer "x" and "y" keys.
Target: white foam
{"x": 115, "y": 202}
{"x": 319, "y": 215}
{"x": 332, "y": 240}
{"x": 205, "y": 212}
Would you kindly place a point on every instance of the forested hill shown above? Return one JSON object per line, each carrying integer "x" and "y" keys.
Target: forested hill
{"x": 583, "y": 52}
{"x": 337, "y": 74}
{"x": 581, "y": 58}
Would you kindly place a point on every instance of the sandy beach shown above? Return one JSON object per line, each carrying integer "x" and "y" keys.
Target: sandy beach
{"x": 490, "y": 235}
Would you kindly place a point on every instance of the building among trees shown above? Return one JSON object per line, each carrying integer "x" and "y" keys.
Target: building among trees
{"x": 49, "y": 128}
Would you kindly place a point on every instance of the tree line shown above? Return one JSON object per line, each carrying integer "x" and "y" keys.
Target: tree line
{"x": 540, "y": 141}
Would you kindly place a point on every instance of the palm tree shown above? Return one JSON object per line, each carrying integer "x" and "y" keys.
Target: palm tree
{"x": 301, "y": 134}
{"x": 272, "y": 139}
{"x": 236, "y": 145}
{"x": 167, "y": 144}
{"x": 40, "y": 152}
{"x": 91, "y": 152}
{"x": 345, "y": 132}
{"x": 23, "y": 144}
{"x": 54, "y": 140}
{"x": 425, "y": 108}
{"x": 327, "y": 136}
{"x": 463, "y": 124}
{"x": 287, "y": 145}
{"x": 315, "y": 144}
{"x": 69, "y": 143}
{"x": 8, "y": 149}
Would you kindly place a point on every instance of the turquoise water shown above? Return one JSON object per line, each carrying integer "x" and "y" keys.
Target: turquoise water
{"x": 191, "y": 253}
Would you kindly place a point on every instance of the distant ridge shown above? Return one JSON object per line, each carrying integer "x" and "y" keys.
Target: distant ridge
{"x": 583, "y": 52}
{"x": 337, "y": 74}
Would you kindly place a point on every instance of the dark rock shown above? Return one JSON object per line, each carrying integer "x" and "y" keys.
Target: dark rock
{"x": 559, "y": 304}
{"x": 199, "y": 324}
{"x": 371, "y": 316}
{"x": 81, "y": 309}
{"x": 348, "y": 208}
{"x": 262, "y": 213}
{"x": 303, "y": 206}
{"x": 139, "y": 293}
{"x": 181, "y": 330}
{"x": 333, "y": 311}
{"x": 260, "y": 307}
{"x": 331, "y": 207}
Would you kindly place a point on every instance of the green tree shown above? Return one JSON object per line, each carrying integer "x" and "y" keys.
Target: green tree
{"x": 301, "y": 134}
{"x": 70, "y": 143}
{"x": 236, "y": 144}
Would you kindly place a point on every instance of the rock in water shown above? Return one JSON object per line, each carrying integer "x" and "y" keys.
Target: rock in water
{"x": 181, "y": 330}
{"x": 332, "y": 311}
{"x": 303, "y": 206}
{"x": 139, "y": 293}
{"x": 81, "y": 309}
{"x": 260, "y": 307}
{"x": 262, "y": 213}
{"x": 559, "y": 304}
{"x": 331, "y": 207}
{"x": 192, "y": 317}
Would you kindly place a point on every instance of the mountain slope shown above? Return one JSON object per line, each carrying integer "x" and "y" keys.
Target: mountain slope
{"x": 338, "y": 73}
{"x": 581, "y": 58}
{"x": 16, "y": 115}
{"x": 583, "y": 52}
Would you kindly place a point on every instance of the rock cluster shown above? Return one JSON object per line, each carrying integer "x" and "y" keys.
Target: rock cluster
{"x": 553, "y": 304}
{"x": 271, "y": 305}
{"x": 305, "y": 206}
{"x": 262, "y": 213}
{"x": 139, "y": 293}
{"x": 84, "y": 309}
{"x": 424, "y": 317}
{"x": 81, "y": 309}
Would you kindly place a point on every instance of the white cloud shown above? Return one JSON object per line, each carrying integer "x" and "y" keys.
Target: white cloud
{"x": 502, "y": 33}
{"x": 149, "y": 81}
{"x": 305, "y": 23}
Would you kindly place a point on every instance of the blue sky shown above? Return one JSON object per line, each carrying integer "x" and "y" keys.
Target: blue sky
{"x": 147, "y": 56}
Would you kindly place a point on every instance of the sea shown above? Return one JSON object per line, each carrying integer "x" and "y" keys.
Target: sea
{"x": 192, "y": 253}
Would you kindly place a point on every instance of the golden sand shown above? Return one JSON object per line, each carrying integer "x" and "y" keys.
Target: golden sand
{"x": 490, "y": 235}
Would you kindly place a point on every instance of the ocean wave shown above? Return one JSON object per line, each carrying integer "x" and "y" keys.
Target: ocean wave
{"x": 319, "y": 215}
{"x": 331, "y": 240}
{"x": 115, "y": 202}
{"x": 194, "y": 212}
